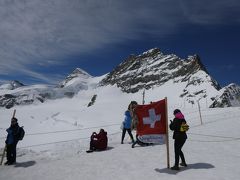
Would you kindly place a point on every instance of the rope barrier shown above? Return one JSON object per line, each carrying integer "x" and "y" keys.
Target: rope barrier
{"x": 215, "y": 140}
{"x": 58, "y": 142}
{"x": 226, "y": 137}
{"x": 81, "y": 129}
{"x": 70, "y": 130}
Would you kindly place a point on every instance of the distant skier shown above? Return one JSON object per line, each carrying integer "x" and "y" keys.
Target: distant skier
{"x": 98, "y": 141}
{"x": 127, "y": 125}
{"x": 179, "y": 126}
{"x": 11, "y": 141}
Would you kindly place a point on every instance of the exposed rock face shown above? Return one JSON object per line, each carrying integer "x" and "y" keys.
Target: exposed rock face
{"x": 229, "y": 97}
{"x": 9, "y": 100}
{"x": 153, "y": 68}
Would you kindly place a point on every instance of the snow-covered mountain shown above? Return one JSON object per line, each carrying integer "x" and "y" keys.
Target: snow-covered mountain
{"x": 153, "y": 69}
{"x": 78, "y": 78}
{"x": 23, "y": 95}
{"x": 11, "y": 85}
{"x": 184, "y": 80}
{"x": 230, "y": 96}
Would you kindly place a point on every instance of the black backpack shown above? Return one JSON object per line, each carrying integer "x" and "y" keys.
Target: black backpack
{"x": 21, "y": 133}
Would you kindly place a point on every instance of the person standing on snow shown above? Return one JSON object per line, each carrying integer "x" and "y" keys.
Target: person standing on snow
{"x": 179, "y": 136}
{"x": 11, "y": 141}
{"x": 127, "y": 125}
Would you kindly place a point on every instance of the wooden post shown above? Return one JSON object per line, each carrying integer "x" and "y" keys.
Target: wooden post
{"x": 200, "y": 112}
{"x": 3, "y": 154}
{"x": 167, "y": 136}
{"x": 14, "y": 113}
{"x": 143, "y": 100}
{"x": 5, "y": 148}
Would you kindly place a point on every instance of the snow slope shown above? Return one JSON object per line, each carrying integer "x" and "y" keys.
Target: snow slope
{"x": 58, "y": 131}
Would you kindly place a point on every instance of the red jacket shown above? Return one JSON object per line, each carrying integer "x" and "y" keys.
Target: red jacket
{"x": 100, "y": 140}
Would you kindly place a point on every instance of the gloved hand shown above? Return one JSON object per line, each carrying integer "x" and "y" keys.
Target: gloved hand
{"x": 94, "y": 133}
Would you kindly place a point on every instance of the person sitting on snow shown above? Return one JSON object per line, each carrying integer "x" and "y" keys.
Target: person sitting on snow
{"x": 98, "y": 142}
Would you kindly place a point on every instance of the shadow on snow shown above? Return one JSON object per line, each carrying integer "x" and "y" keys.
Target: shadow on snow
{"x": 190, "y": 166}
{"x": 25, "y": 164}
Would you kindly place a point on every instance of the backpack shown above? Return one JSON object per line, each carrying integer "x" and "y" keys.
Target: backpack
{"x": 21, "y": 133}
{"x": 184, "y": 127}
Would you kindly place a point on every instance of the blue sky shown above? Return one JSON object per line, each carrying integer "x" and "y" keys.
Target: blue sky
{"x": 44, "y": 40}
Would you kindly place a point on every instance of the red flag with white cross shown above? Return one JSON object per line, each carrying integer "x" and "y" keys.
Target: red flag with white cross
{"x": 152, "y": 118}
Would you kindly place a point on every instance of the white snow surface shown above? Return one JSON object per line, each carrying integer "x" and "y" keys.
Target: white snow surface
{"x": 58, "y": 132}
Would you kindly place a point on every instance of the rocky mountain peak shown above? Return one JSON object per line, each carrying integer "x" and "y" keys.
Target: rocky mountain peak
{"x": 16, "y": 84}
{"x": 153, "y": 68}
{"x": 77, "y": 73}
{"x": 151, "y": 52}
{"x": 197, "y": 63}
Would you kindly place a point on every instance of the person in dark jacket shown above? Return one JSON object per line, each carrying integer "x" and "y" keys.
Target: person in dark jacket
{"x": 11, "y": 141}
{"x": 127, "y": 125}
{"x": 179, "y": 137}
{"x": 98, "y": 141}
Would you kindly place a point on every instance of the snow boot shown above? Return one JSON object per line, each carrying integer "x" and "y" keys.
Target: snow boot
{"x": 183, "y": 164}
{"x": 175, "y": 168}
{"x": 89, "y": 151}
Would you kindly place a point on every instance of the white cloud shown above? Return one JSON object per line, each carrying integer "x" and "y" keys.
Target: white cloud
{"x": 34, "y": 31}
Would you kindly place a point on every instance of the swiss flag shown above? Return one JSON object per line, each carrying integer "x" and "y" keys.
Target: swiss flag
{"x": 152, "y": 121}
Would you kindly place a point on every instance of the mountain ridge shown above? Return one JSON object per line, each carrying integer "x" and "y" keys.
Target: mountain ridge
{"x": 146, "y": 71}
{"x": 153, "y": 60}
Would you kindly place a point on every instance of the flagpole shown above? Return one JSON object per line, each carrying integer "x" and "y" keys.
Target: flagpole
{"x": 167, "y": 136}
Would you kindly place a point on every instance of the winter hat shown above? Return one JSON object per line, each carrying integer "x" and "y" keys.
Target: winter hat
{"x": 176, "y": 111}
{"x": 132, "y": 103}
{"x": 14, "y": 119}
